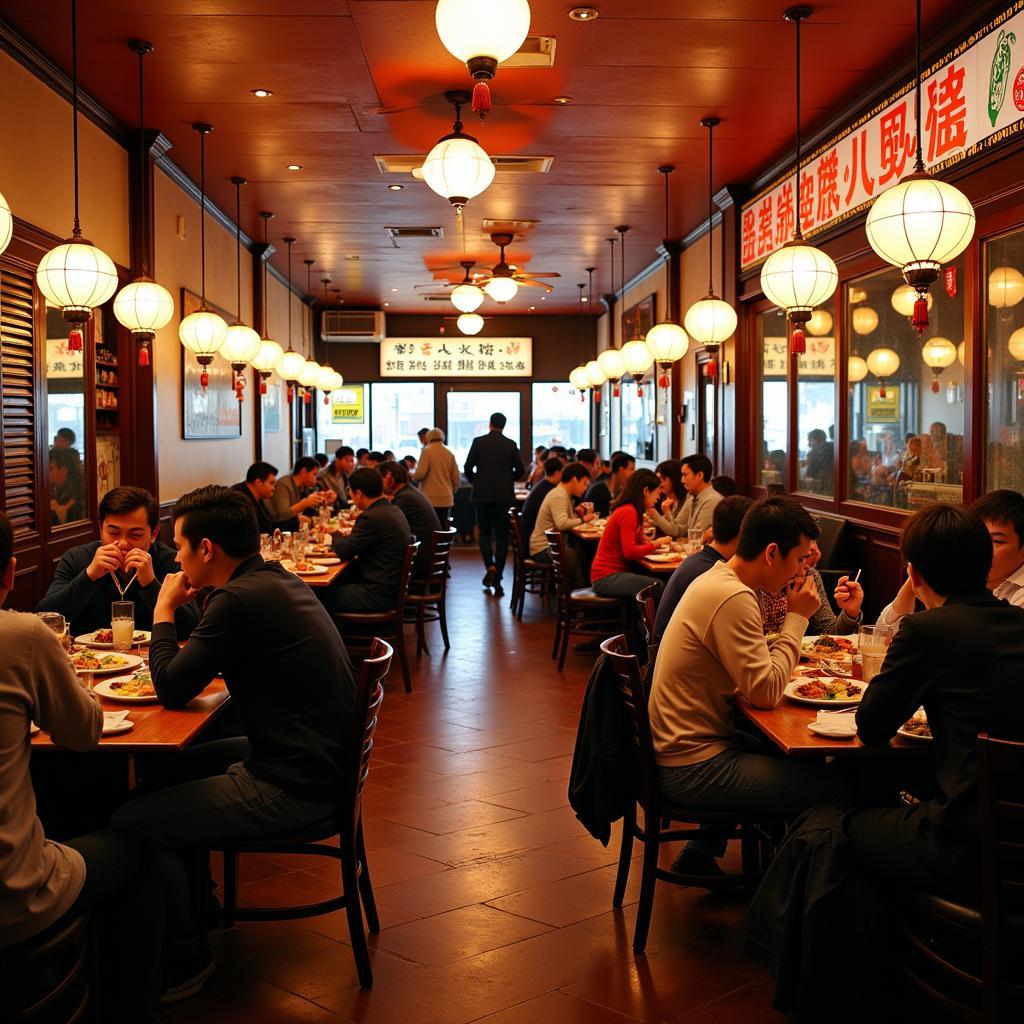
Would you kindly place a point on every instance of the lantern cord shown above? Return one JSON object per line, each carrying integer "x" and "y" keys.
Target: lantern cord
{"x": 666, "y": 205}
{"x": 77, "y": 233}
{"x": 238, "y": 244}
{"x": 919, "y": 163}
{"x": 142, "y": 171}
{"x": 622, "y": 280}
{"x": 711, "y": 248}
{"x": 798, "y": 234}
{"x": 202, "y": 210}
{"x": 290, "y": 242}
{"x": 611, "y": 246}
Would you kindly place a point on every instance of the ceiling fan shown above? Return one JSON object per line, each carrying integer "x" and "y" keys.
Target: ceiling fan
{"x": 504, "y": 279}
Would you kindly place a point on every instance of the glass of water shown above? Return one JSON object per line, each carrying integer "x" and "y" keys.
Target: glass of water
{"x": 873, "y": 645}
{"x": 122, "y": 624}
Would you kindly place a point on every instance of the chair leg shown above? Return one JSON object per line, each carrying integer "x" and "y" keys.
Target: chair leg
{"x": 229, "y": 902}
{"x": 442, "y": 620}
{"x": 365, "y": 887}
{"x": 403, "y": 657}
{"x": 421, "y": 633}
{"x": 625, "y": 855}
{"x": 558, "y": 634}
{"x": 647, "y": 883}
{"x": 354, "y": 913}
{"x": 565, "y": 639}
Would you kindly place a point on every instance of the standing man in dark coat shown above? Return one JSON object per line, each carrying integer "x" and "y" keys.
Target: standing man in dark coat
{"x": 492, "y": 467}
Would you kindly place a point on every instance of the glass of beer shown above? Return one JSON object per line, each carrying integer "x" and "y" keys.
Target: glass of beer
{"x": 874, "y": 643}
{"x": 695, "y": 537}
{"x": 122, "y": 624}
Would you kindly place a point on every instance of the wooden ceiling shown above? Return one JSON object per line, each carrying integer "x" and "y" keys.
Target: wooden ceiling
{"x": 351, "y": 80}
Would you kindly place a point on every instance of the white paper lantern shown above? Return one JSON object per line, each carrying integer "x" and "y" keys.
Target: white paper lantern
{"x": 883, "y": 362}
{"x": 267, "y": 358}
{"x": 241, "y": 345}
{"x": 327, "y": 379}
{"x": 938, "y": 353}
{"x": 309, "y": 373}
{"x": 6, "y": 224}
{"x": 458, "y": 169}
{"x": 710, "y": 321}
{"x": 501, "y": 289}
{"x": 799, "y": 277}
{"x": 637, "y": 357}
{"x": 291, "y": 365}
{"x": 203, "y": 332}
{"x": 903, "y": 299}
{"x": 820, "y": 323}
{"x": 1005, "y": 287}
{"x": 961, "y": 353}
{"x": 493, "y": 30}
{"x": 667, "y": 342}
{"x": 857, "y": 369}
{"x": 77, "y": 277}
{"x": 578, "y": 378}
{"x": 611, "y": 363}
{"x": 466, "y": 298}
{"x": 470, "y": 323}
{"x": 864, "y": 319}
{"x": 1016, "y": 344}
{"x": 594, "y": 374}
{"x": 143, "y": 306}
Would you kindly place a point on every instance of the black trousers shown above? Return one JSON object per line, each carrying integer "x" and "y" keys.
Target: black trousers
{"x": 492, "y": 522}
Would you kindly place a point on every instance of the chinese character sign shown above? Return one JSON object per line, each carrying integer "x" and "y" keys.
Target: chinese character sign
{"x": 456, "y": 357}
{"x": 60, "y": 362}
{"x": 972, "y": 101}
{"x": 818, "y": 361}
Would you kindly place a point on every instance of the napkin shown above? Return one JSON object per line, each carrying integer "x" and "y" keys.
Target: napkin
{"x": 112, "y": 719}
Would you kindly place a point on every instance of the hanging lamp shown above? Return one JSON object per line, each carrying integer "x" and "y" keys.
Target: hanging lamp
{"x": 292, "y": 362}
{"x": 502, "y": 286}
{"x": 904, "y": 298}
{"x": 798, "y": 277}
{"x": 856, "y": 369}
{"x": 76, "y": 276}
{"x": 308, "y": 377}
{"x": 457, "y": 168}
{"x": 938, "y": 353}
{"x": 270, "y": 352}
{"x": 578, "y": 379}
{"x": 864, "y": 320}
{"x": 470, "y": 323}
{"x": 143, "y": 306}
{"x": 242, "y": 342}
{"x": 883, "y": 363}
{"x": 595, "y": 378}
{"x": 921, "y": 222}
{"x": 710, "y": 321}
{"x": 1005, "y": 290}
{"x": 328, "y": 380}
{"x": 6, "y": 224}
{"x": 203, "y": 332}
{"x": 820, "y": 323}
{"x": 467, "y": 297}
{"x": 482, "y": 35}
{"x": 637, "y": 360}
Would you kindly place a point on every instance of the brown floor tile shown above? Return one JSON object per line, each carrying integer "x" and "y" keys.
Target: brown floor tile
{"x": 748, "y": 1005}
{"x": 545, "y": 796}
{"x": 454, "y": 817}
{"x": 558, "y": 1007}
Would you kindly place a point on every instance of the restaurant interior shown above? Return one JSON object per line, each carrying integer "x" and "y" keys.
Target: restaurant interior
{"x": 620, "y": 300}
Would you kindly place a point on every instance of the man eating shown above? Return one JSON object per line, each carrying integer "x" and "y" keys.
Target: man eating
{"x": 337, "y": 473}
{"x": 296, "y": 493}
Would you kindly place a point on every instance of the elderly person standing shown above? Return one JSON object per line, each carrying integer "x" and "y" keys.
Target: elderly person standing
{"x": 438, "y": 474}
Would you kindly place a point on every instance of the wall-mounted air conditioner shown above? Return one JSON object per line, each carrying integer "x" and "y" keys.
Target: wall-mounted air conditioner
{"x": 352, "y": 325}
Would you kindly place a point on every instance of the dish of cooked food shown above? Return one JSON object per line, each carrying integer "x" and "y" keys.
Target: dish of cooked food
{"x": 827, "y": 647}
{"x": 106, "y": 636}
{"x": 916, "y": 728}
{"x": 86, "y": 660}
{"x": 825, "y": 691}
{"x": 138, "y": 685}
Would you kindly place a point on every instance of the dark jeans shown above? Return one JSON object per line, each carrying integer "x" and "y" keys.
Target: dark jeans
{"x": 492, "y": 522}
{"x": 573, "y": 564}
{"x": 625, "y": 584}
{"x": 355, "y": 597}
{"x": 209, "y": 795}
{"x": 444, "y": 516}
{"x": 750, "y": 776}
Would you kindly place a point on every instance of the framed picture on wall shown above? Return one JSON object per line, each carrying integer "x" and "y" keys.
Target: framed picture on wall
{"x": 213, "y": 411}
{"x": 272, "y": 409}
{"x": 638, "y": 319}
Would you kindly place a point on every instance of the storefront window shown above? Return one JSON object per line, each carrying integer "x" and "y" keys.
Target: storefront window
{"x": 771, "y": 337}
{"x": 397, "y": 412}
{"x": 345, "y": 419}
{"x": 1004, "y": 329}
{"x": 816, "y": 407}
{"x": 637, "y": 427}
{"x": 906, "y": 394}
{"x": 559, "y": 417}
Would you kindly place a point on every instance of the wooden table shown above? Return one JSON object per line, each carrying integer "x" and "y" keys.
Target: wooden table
{"x": 156, "y": 727}
{"x": 327, "y": 578}
{"x": 666, "y": 568}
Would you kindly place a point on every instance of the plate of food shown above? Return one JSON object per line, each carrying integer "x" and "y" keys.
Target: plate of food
{"x": 305, "y": 568}
{"x": 825, "y": 691}
{"x": 88, "y": 660}
{"x": 842, "y": 667}
{"x": 666, "y": 556}
{"x": 103, "y": 639}
{"x": 916, "y": 728}
{"x": 834, "y": 648}
{"x": 325, "y": 560}
{"x": 137, "y": 688}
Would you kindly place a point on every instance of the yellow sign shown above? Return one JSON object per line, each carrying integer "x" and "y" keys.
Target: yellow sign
{"x": 884, "y": 410}
{"x": 347, "y": 404}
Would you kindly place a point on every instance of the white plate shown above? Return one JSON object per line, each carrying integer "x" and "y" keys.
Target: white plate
{"x": 835, "y": 667}
{"x": 833, "y": 731}
{"x": 126, "y": 663}
{"x": 115, "y": 730}
{"x": 86, "y": 639}
{"x": 325, "y": 560}
{"x": 104, "y": 689}
{"x": 807, "y": 641}
{"x": 664, "y": 557}
{"x": 313, "y": 570}
{"x": 819, "y": 702}
{"x": 912, "y": 735}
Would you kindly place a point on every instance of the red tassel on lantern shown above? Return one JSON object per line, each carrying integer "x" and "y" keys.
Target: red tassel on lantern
{"x": 640, "y": 390}
{"x": 144, "y": 355}
{"x": 481, "y": 99}
{"x": 307, "y": 397}
{"x": 597, "y": 396}
{"x": 881, "y": 389}
{"x": 663, "y": 380}
{"x": 327, "y": 399}
{"x": 920, "y": 318}
{"x": 799, "y": 343}
{"x": 290, "y": 389}
{"x": 263, "y": 385}
{"x": 935, "y": 385}
{"x": 75, "y": 339}
{"x": 615, "y": 389}
{"x": 204, "y": 379}
{"x": 711, "y": 369}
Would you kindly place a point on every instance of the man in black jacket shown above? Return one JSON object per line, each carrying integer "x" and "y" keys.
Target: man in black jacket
{"x": 258, "y": 486}
{"x": 605, "y": 489}
{"x": 377, "y": 545}
{"x": 417, "y": 510}
{"x": 127, "y": 558}
{"x": 531, "y": 507}
{"x": 492, "y": 466}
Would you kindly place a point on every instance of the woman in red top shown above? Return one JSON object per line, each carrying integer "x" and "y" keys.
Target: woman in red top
{"x": 623, "y": 541}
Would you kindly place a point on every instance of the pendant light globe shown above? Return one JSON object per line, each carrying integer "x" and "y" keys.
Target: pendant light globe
{"x": 903, "y": 299}
{"x": 864, "y": 320}
{"x": 667, "y": 342}
{"x": 470, "y": 323}
{"x": 595, "y": 377}
{"x": 467, "y": 298}
{"x": 143, "y": 307}
{"x": 1015, "y": 345}
{"x": 611, "y": 364}
{"x": 484, "y": 34}
{"x": 883, "y": 362}
{"x": 309, "y": 373}
{"x": 636, "y": 357}
{"x": 820, "y": 323}
{"x": 798, "y": 277}
{"x": 1005, "y": 287}
{"x": 857, "y": 369}
{"x": 76, "y": 277}
{"x": 203, "y": 333}
{"x": 502, "y": 289}
{"x": 6, "y": 224}
{"x": 291, "y": 365}
{"x": 458, "y": 169}
{"x": 578, "y": 378}
{"x": 267, "y": 358}
{"x": 710, "y": 321}
{"x": 938, "y": 353}
{"x": 327, "y": 379}
{"x": 241, "y": 345}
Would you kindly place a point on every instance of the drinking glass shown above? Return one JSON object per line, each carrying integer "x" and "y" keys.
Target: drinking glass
{"x": 59, "y": 625}
{"x": 874, "y": 643}
{"x": 122, "y": 624}
{"x": 650, "y": 532}
{"x": 695, "y": 536}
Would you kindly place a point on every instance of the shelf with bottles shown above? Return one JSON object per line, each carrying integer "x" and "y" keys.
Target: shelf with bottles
{"x": 106, "y": 401}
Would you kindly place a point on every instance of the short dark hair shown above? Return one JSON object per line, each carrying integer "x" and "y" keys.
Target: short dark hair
{"x": 260, "y": 471}
{"x": 422, "y": 431}
{"x": 343, "y": 452}
{"x": 818, "y": 434}
{"x": 672, "y": 470}
{"x": 409, "y": 461}
{"x": 621, "y": 461}
{"x": 68, "y": 434}
{"x": 376, "y": 456}
{"x": 725, "y": 485}
{"x": 552, "y": 465}
{"x": 65, "y": 458}
{"x": 360, "y": 452}
{"x": 587, "y": 455}
{"x": 1002, "y": 507}
{"x": 575, "y": 471}
{"x": 728, "y": 517}
{"x": 368, "y": 481}
{"x": 699, "y": 464}
{"x": 777, "y": 520}
{"x": 399, "y": 473}
{"x": 119, "y": 501}
{"x": 950, "y": 547}
{"x": 6, "y": 542}
{"x": 321, "y": 459}
{"x": 498, "y": 419}
{"x": 220, "y": 515}
{"x": 389, "y": 455}
{"x": 304, "y": 464}
{"x": 633, "y": 493}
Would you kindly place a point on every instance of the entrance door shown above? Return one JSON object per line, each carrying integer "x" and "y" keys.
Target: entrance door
{"x": 469, "y": 413}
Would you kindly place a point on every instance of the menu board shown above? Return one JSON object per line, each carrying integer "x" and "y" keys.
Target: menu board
{"x": 456, "y": 357}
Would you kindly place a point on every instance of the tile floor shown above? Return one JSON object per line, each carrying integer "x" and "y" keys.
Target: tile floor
{"x": 495, "y": 903}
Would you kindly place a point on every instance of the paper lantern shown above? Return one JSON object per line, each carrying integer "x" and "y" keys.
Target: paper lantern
{"x": 857, "y": 369}
{"x": 864, "y": 320}
{"x": 1005, "y": 287}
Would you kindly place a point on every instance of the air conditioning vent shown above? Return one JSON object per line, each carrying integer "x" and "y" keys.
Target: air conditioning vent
{"x": 352, "y": 325}
{"x": 403, "y": 163}
{"x": 414, "y": 232}
{"x": 536, "y": 52}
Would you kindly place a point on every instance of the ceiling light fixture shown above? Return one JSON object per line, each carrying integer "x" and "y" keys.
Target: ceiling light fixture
{"x": 563, "y": 100}
{"x": 798, "y": 277}
{"x": 457, "y": 168}
{"x": 308, "y": 377}
{"x": 637, "y": 359}
{"x": 903, "y": 299}
{"x": 821, "y": 322}
{"x": 1005, "y": 289}
{"x": 467, "y": 297}
{"x": 327, "y": 381}
{"x": 938, "y": 353}
{"x": 864, "y": 320}
{"x": 76, "y": 276}
{"x": 584, "y": 13}
{"x": 395, "y": 187}
{"x": 470, "y": 323}
{"x": 242, "y": 342}
{"x": 6, "y": 224}
{"x": 203, "y": 332}
{"x": 269, "y": 356}
{"x": 482, "y": 36}
{"x": 711, "y": 321}
{"x": 294, "y": 167}
{"x": 292, "y": 362}
{"x": 920, "y": 223}
{"x": 578, "y": 380}
{"x": 857, "y": 369}
{"x": 262, "y": 93}
{"x": 143, "y": 306}
{"x": 502, "y": 286}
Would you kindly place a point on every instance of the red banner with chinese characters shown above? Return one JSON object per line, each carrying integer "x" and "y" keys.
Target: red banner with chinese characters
{"x": 971, "y": 99}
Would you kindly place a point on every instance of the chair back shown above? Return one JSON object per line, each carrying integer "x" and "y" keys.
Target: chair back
{"x": 1001, "y": 793}
{"x": 369, "y": 696}
{"x": 645, "y": 618}
{"x": 441, "y": 542}
{"x": 559, "y": 573}
{"x": 403, "y": 583}
{"x": 515, "y": 534}
{"x": 832, "y": 529}
{"x": 634, "y": 703}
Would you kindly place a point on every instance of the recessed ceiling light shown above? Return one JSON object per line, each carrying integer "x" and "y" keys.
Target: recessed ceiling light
{"x": 583, "y": 13}
{"x": 584, "y": 299}
{"x": 396, "y": 187}
{"x": 386, "y": 304}
{"x": 261, "y": 93}
{"x": 532, "y": 308}
{"x": 562, "y": 100}
{"x": 394, "y": 289}
{"x": 543, "y": 298}
{"x": 295, "y": 167}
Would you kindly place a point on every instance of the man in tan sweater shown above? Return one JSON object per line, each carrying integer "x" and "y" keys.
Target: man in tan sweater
{"x": 713, "y": 652}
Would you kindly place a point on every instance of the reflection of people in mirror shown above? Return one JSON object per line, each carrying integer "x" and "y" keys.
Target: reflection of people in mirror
{"x": 67, "y": 488}
{"x": 64, "y": 438}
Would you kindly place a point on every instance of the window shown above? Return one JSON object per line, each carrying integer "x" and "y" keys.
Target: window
{"x": 345, "y": 419}
{"x": 774, "y": 346}
{"x": 397, "y": 411}
{"x": 469, "y": 415}
{"x": 906, "y": 396}
{"x": 816, "y": 407}
{"x": 636, "y": 424}
{"x": 1004, "y": 456}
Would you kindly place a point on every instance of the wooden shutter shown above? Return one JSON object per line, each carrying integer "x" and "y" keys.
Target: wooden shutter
{"x": 17, "y": 386}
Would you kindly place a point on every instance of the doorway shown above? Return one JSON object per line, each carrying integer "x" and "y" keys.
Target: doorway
{"x": 469, "y": 413}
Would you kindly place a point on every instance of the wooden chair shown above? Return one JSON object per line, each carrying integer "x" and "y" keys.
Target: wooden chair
{"x": 347, "y": 823}
{"x": 580, "y": 602}
{"x": 966, "y": 960}
{"x": 645, "y": 624}
{"x": 528, "y": 575}
{"x": 44, "y": 979}
{"x": 659, "y": 813}
{"x": 427, "y": 596}
{"x": 392, "y": 622}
